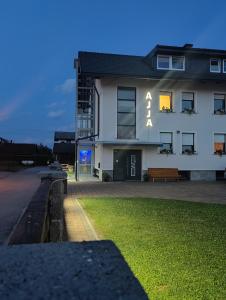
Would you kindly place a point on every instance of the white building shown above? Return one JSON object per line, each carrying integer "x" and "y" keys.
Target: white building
{"x": 163, "y": 110}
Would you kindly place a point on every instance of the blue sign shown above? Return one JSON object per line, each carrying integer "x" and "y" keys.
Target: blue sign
{"x": 85, "y": 157}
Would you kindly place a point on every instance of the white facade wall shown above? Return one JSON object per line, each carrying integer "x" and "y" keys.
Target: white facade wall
{"x": 203, "y": 123}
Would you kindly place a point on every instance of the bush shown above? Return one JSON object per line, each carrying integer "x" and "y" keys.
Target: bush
{"x": 145, "y": 177}
{"x": 106, "y": 177}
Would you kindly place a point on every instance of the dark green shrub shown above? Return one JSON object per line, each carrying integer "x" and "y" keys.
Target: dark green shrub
{"x": 106, "y": 177}
{"x": 145, "y": 177}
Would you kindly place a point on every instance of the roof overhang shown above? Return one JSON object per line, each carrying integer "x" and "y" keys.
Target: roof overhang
{"x": 164, "y": 76}
{"x": 128, "y": 143}
{"x": 187, "y": 49}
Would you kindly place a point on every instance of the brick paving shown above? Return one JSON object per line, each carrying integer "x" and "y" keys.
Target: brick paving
{"x": 77, "y": 225}
{"x": 209, "y": 192}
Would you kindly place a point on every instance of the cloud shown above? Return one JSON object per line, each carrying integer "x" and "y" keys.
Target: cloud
{"x": 12, "y": 105}
{"x": 19, "y": 99}
{"x": 55, "y": 104}
{"x": 55, "y": 113}
{"x": 67, "y": 87}
{"x": 51, "y": 105}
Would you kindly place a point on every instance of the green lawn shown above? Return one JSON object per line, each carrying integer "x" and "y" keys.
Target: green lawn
{"x": 175, "y": 248}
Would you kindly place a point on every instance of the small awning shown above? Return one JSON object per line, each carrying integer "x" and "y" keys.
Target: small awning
{"x": 128, "y": 143}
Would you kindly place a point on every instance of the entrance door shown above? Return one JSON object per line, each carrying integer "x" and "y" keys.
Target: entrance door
{"x": 127, "y": 165}
{"x": 133, "y": 165}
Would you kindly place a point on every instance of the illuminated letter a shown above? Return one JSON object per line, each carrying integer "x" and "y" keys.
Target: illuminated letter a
{"x": 148, "y": 96}
{"x": 149, "y": 123}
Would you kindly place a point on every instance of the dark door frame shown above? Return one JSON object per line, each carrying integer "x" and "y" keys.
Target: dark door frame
{"x": 121, "y": 164}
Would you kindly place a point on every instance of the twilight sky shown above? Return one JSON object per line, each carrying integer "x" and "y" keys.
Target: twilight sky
{"x": 40, "y": 38}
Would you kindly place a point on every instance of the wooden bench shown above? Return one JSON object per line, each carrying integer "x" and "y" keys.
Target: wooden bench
{"x": 165, "y": 174}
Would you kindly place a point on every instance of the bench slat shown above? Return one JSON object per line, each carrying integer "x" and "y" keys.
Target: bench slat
{"x": 164, "y": 173}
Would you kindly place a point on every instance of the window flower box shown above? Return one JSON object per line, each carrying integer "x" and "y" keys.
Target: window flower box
{"x": 188, "y": 152}
{"x": 166, "y": 151}
{"x": 188, "y": 111}
{"x": 219, "y": 152}
{"x": 220, "y": 112}
{"x": 166, "y": 110}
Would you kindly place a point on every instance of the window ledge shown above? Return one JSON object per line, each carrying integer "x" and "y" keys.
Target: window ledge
{"x": 135, "y": 139}
{"x": 170, "y": 69}
{"x": 189, "y": 113}
{"x": 166, "y": 112}
{"x": 219, "y": 113}
{"x": 172, "y": 153}
{"x": 189, "y": 154}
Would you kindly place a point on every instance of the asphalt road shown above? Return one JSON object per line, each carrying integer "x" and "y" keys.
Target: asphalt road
{"x": 16, "y": 190}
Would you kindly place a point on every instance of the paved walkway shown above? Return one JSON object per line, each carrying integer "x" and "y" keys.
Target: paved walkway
{"x": 4, "y": 174}
{"x": 77, "y": 225}
{"x": 16, "y": 190}
{"x": 209, "y": 192}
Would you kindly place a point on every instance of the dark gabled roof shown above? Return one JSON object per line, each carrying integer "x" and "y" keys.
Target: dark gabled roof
{"x": 124, "y": 65}
{"x": 187, "y": 49}
{"x": 64, "y": 135}
{"x": 64, "y": 148}
{"x": 116, "y": 65}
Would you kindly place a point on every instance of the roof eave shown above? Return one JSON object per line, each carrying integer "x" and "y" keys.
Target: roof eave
{"x": 153, "y": 77}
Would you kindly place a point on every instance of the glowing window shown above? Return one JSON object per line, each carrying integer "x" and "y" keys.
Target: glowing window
{"x": 165, "y": 101}
{"x": 85, "y": 157}
{"x": 219, "y": 143}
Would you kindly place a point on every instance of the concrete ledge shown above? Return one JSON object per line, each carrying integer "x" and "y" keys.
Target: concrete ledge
{"x": 42, "y": 221}
{"x": 87, "y": 270}
{"x": 203, "y": 175}
{"x": 53, "y": 174}
{"x": 31, "y": 226}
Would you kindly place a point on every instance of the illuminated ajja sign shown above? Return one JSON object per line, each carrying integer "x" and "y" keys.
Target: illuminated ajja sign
{"x": 148, "y": 118}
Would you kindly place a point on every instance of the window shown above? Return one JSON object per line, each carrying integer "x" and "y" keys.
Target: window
{"x": 219, "y": 143}
{"x": 167, "y": 62}
{"x": 215, "y": 65}
{"x": 165, "y": 102}
{"x": 219, "y": 103}
{"x": 224, "y": 66}
{"x": 126, "y": 124}
{"x": 166, "y": 141}
{"x": 163, "y": 62}
{"x": 84, "y": 107}
{"x": 188, "y": 102}
{"x": 178, "y": 62}
{"x": 188, "y": 143}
